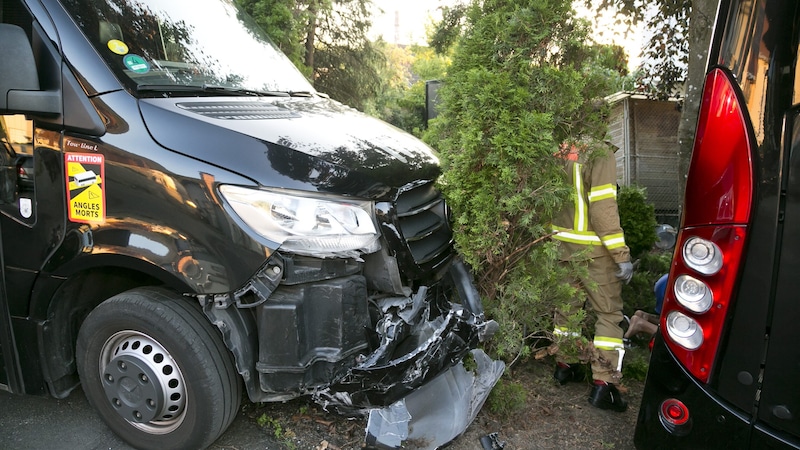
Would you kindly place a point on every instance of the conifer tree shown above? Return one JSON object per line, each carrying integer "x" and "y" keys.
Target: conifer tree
{"x": 524, "y": 80}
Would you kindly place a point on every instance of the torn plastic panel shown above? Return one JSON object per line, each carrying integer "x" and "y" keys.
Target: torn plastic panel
{"x": 437, "y": 412}
{"x": 411, "y": 353}
{"x": 325, "y": 330}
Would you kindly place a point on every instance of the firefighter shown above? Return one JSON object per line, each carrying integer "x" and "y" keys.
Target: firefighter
{"x": 588, "y": 228}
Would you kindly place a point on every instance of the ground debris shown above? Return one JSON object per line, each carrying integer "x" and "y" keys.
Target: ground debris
{"x": 554, "y": 417}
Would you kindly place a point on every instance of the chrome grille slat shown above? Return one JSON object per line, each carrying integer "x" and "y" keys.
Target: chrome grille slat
{"x": 421, "y": 208}
{"x": 421, "y": 218}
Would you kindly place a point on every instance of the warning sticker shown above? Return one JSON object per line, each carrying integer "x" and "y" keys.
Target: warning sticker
{"x": 86, "y": 195}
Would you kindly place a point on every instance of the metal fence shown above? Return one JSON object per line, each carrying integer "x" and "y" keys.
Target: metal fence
{"x": 646, "y": 133}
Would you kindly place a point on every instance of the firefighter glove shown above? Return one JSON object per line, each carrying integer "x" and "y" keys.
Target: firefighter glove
{"x": 625, "y": 272}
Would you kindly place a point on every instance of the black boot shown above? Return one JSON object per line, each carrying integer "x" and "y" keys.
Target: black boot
{"x": 565, "y": 373}
{"x": 606, "y": 396}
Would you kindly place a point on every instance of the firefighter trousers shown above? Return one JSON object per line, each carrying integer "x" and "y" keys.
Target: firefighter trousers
{"x": 604, "y": 294}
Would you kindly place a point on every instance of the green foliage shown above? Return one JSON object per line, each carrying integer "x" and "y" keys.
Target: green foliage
{"x": 637, "y": 360}
{"x": 523, "y": 80}
{"x": 275, "y": 427}
{"x": 445, "y": 34}
{"x": 666, "y": 55}
{"x": 346, "y": 63}
{"x": 507, "y": 398}
{"x": 524, "y": 300}
{"x": 348, "y": 74}
{"x": 283, "y": 22}
{"x": 327, "y": 41}
{"x": 401, "y": 102}
{"x": 638, "y": 294}
{"x": 638, "y": 220}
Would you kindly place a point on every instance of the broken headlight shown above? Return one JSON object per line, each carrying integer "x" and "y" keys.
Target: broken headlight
{"x": 312, "y": 226}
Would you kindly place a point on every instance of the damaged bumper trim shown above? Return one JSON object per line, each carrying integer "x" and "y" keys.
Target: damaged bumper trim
{"x": 437, "y": 412}
{"x": 406, "y": 360}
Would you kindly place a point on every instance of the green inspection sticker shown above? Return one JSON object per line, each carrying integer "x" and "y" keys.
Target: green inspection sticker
{"x": 136, "y": 63}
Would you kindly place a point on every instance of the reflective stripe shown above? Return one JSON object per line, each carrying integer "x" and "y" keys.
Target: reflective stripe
{"x": 576, "y": 237}
{"x": 563, "y": 331}
{"x": 608, "y": 343}
{"x": 581, "y": 220}
{"x": 613, "y": 241}
{"x": 621, "y": 352}
{"x": 603, "y": 192}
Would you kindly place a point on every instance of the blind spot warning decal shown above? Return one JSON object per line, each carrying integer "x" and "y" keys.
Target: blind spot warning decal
{"x": 86, "y": 193}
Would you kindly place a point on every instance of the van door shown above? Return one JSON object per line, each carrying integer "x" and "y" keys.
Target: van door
{"x": 10, "y": 379}
{"x": 779, "y": 405}
{"x": 32, "y": 221}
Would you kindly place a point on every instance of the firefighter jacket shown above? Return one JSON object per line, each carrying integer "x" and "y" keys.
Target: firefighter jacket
{"x": 590, "y": 220}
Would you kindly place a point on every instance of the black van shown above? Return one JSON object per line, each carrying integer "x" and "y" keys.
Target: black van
{"x": 183, "y": 218}
{"x": 725, "y": 366}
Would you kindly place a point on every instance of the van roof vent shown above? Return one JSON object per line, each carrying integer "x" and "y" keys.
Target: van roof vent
{"x": 238, "y": 110}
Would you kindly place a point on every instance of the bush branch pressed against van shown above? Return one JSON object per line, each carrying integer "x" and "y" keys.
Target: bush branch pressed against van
{"x": 523, "y": 80}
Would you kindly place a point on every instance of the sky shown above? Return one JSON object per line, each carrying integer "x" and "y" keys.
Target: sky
{"x": 404, "y": 22}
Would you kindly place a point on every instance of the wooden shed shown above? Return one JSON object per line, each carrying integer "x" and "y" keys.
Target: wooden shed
{"x": 646, "y": 133}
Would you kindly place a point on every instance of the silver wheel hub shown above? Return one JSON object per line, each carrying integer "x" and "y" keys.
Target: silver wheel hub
{"x": 142, "y": 382}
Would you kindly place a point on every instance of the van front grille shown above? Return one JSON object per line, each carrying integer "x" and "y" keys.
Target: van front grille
{"x": 422, "y": 220}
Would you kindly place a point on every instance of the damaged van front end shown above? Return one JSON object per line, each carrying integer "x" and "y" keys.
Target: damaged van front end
{"x": 362, "y": 299}
{"x": 361, "y": 337}
{"x": 203, "y": 220}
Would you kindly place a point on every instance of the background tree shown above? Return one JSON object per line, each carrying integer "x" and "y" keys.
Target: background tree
{"x": 401, "y": 102}
{"x": 445, "y": 34}
{"x": 675, "y": 57}
{"x": 524, "y": 79}
{"x": 327, "y": 40}
{"x": 282, "y": 20}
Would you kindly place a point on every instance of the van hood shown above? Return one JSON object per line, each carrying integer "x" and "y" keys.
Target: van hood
{"x": 306, "y": 143}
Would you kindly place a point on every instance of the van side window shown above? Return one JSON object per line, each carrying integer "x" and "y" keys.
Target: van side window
{"x": 16, "y": 138}
{"x": 796, "y": 90}
{"x": 755, "y": 40}
{"x": 18, "y": 131}
{"x": 14, "y": 12}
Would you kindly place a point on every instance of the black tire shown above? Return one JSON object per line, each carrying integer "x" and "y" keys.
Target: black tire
{"x": 157, "y": 371}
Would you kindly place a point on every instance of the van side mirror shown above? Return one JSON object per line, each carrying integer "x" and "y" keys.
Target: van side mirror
{"x": 19, "y": 80}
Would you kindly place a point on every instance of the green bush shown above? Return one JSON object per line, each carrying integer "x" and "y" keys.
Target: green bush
{"x": 507, "y": 398}
{"x": 523, "y": 81}
{"x": 637, "y": 360}
{"x": 638, "y": 294}
{"x": 638, "y": 220}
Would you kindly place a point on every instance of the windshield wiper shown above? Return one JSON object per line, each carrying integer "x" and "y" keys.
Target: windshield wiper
{"x": 227, "y": 89}
{"x": 208, "y": 89}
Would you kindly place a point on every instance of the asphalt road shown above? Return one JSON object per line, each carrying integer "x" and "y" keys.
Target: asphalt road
{"x": 38, "y": 423}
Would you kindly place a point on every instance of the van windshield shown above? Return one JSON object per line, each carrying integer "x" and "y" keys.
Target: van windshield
{"x": 185, "y": 46}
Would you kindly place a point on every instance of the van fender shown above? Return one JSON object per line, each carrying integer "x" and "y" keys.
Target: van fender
{"x": 240, "y": 335}
{"x": 157, "y": 251}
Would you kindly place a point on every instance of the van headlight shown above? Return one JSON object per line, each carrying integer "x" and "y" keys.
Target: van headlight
{"x": 312, "y": 226}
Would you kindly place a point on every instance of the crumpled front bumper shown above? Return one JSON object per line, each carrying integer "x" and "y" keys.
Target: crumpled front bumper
{"x": 439, "y": 411}
{"x": 414, "y": 385}
{"x": 363, "y": 351}
{"x": 413, "y": 351}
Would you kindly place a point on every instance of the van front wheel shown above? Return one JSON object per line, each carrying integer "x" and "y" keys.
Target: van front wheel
{"x": 157, "y": 371}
